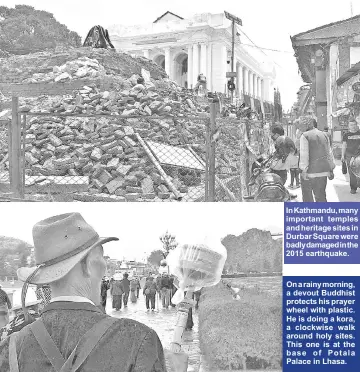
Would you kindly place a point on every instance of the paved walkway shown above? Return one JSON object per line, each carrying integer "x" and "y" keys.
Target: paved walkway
{"x": 338, "y": 190}
{"x": 163, "y": 322}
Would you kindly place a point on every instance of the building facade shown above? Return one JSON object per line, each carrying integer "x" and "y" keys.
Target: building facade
{"x": 329, "y": 60}
{"x": 201, "y": 44}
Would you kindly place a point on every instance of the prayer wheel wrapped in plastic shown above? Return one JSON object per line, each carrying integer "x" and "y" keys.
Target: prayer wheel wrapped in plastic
{"x": 195, "y": 266}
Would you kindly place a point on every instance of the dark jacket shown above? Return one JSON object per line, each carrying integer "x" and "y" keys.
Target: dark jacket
{"x": 151, "y": 285}
{"x": 125, "y": 283}
{"x": 166, "y": 283}
{"x": 127, "y": 346}
{"x": 116, "y": 288}
{"x": 4, "y": 299}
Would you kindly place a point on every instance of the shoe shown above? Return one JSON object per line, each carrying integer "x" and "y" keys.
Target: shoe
{"x": 290, "y": 187}
{"x": 352, "y": 191}
{"x": 152, "y": 309}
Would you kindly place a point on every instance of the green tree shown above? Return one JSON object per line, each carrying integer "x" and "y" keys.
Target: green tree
{"x": 25, "y": 30}
{"x": 169, "y": 243}
{"x": 155, "y": 257}
{"x": 14, "y": 253}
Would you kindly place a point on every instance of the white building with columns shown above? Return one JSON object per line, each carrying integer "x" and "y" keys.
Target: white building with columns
{"x": 201, "y": 44}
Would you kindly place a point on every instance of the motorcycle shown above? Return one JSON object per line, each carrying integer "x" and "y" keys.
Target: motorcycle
{"x": 269, "y": 186}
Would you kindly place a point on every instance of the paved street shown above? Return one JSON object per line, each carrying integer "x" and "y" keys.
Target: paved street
{"x": 338, "y": 190}
{"x": 163, "y": 322}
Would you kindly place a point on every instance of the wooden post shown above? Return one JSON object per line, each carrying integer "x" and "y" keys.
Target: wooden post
{"x": 15, "y": 158}
{"x": 212, "y": 153}
{"x": 23, "y": 157}
{"x": 207, "y": 146}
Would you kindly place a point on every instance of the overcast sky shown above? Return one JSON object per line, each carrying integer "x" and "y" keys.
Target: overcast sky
{"x": 268, "y": 23}
{"x": 139, "y": 225}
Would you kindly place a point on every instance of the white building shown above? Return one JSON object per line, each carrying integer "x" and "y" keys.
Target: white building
{"x": 201, "y": 44}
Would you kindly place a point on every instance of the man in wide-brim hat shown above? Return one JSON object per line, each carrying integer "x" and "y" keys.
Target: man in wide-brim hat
{"x": 72, "y": 329}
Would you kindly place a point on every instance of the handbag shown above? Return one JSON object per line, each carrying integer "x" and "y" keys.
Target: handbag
{"x": 147, "y": 291}
{"x": 344, "y": 167}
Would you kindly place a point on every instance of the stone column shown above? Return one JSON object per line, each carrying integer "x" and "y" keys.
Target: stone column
{"x": 190, "y": 66}
{"x": 254, "y": 85}
{"x": 168, "y": 62}
{"x": 239, "y": 80}
{"x": 209, "y": 67}
{"x": 246, "y": 81}
{"x": 203, "y": 59}
{"x": 262, "y": 90}
{"x": 251, "y": 83}
{"x": 146, "y": 53}
{"x": 195, "y": 63}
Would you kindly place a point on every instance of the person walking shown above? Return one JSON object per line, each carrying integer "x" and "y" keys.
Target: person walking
{"x": 133, "y": 287}
{"x": 138, "y": 286}
{"x": 125, "y": 283}
{"x": 149, "y": 292}
{"x": 158, "y": 285}
{"x": 351, "y": 148}
{"x": 316, "y": 161}
{"x": 294, "y": 169}
{"x": 283, "y": 147}
{"x": 165, "y": 290}
{"x": 105, "y": 285}
{"x": 116, "y": 292}
{"x": 72, "y": 332}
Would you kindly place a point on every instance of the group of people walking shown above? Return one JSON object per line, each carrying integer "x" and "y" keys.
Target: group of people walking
{"x": 310, "y": 158}
{"x": 72, "y": 331}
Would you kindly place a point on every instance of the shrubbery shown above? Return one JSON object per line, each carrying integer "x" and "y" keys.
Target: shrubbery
{"x": 243, "y": 334}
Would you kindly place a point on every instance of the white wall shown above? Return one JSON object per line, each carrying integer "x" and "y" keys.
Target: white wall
{"x": 354, "y": 55}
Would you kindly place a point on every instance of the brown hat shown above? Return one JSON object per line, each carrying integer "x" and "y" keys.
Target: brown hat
{"x": 60, "y": 242}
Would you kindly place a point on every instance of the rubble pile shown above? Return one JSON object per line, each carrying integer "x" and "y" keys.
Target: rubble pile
{"x": 105, "y": 148}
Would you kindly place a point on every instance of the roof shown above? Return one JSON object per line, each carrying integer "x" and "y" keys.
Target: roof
{"x": 305, "y": 43}
{"x": 158, "y": 19}
{"x": 354, "y": 70}
{"x": 324, "y": 32}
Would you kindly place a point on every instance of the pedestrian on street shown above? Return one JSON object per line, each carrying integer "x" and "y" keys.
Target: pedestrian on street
{"x": 19, "y": 321}
{"x": 294, "y": 169}
{"x": 149, "y": 291}
{"x": 116, "y": 292}
{"x": 351, "y": 148}
{"x": 158, "y": 284}
{"x": 173, "y": 280}
{"x": 189, "y": 322}
{"x": 105, "y": 285}
{"x": 196, "y": 296}
{"x": 283, "y": 147}
{"x": 165, "y": 290}
{"x": 125, "y": 283}
{"x": 69, "y": 256}
{"x": 316, "y": 161}
{"x": 138, "y": 286}
{"x": 133, "y": 287}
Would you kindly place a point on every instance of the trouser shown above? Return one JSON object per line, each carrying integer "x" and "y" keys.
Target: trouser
{"x": 137, "y": 292}
{"x": 282, "y": 174}
{"x": 150, "y": 298}
{"x": 314, "y": 187}
{"x": 126, "y": 297}
{"x": 294, "y": 173}
{"x": 117, "y": 302}
{"x": 103, "y": 301}
{"x": 165, "y": 297}
{"x": 354, "y": 181}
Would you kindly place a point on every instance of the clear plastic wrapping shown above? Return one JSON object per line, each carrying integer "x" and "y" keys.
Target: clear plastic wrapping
{"x": 196, "y": 266}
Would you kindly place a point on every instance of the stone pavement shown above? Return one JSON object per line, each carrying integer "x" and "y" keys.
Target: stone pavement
{"x": 338, "y": 190}
{"x": 163, "y": 322}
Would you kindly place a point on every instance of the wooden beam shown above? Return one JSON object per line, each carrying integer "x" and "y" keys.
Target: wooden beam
{"x": 15, "y": 158}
